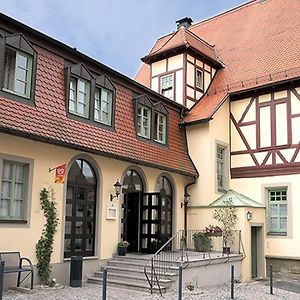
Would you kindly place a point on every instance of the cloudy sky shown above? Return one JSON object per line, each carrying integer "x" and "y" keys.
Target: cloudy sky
{"x": 115, "y": 32}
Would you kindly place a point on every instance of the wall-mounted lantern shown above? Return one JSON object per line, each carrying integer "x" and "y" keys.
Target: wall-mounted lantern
{"x": 186, "y": 200}
{"x": 249, "y": 215}
{"x": 118, "y": 187}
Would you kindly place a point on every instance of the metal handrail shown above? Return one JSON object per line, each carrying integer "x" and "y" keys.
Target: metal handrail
{"x": 159, "y": 263}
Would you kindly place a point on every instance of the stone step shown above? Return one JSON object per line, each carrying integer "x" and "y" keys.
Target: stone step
{"x": 134, "y": 270}
{"x": 134, "y": 264}
{"x": 126, "y": 285}
{"x": 140, "y": 278}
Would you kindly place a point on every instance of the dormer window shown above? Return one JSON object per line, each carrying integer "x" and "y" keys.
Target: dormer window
{"x": 79, "y": 97}
{"x": 199, "y": 79}
{"x": 103, "y": 106}
{"x": 167, "y": 86}
{"x": 18, "y": 60}
{"x": 151, "y": 120}
{"x": 160, "y": 127}
{"x": 143, "y": 121}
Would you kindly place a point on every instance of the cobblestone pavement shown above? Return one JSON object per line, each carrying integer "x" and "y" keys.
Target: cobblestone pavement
{"x": 243, "y": 291}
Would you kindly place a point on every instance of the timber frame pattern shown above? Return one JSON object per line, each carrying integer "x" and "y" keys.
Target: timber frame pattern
{"x": 270, "y": 156}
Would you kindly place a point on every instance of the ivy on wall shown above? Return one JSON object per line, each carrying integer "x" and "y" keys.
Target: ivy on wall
{"x": 44, "y": 247}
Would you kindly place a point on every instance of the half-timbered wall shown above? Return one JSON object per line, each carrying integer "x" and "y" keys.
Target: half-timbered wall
{"x": 184, "y": 68}
{"x": 265, "y": 135}
{"x": 194, "y": 92}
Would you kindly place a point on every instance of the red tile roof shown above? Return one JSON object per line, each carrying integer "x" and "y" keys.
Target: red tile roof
{"x": 182, "y": 38}
{"x": 48, "y": 121}
{"x": 258, "y": 44}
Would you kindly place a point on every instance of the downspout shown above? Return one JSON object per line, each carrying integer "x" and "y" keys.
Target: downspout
{"x": 186, "y": 202}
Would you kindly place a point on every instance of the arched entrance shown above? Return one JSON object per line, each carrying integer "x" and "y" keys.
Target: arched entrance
{"x": 80, "y": 210}
{"x": 133, "y": 188}
{"x": 166, "y": 195}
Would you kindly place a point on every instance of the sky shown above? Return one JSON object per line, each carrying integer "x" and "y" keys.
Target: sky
{"x": 115, "y": 32}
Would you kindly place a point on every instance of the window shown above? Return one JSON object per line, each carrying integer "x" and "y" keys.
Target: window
{"x": 277, "y": 199}
{"x": 82, "y": 87}
{"x": 199, "y": 79}
{"x": 160, "y": 126}
{"x": 79, "y": 97}
{"x": 151, "y": 120}
{"x": 221, "y": 168}
{"x": 143, "y": 121}
{"x": 14, "y": 181}
{"x": 18, "y": 59}
{"x": 167, "y": 86}
{"x": 103, "y": 106}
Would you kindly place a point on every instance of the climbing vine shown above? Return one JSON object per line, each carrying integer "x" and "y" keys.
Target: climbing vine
{"x": 44, "y": 247}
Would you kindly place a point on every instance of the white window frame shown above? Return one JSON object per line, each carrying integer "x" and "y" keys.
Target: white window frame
{"x": 202, "y": 79}
{"x": 77, "y": 93}
{"x": 157, "y": 131}
{"x": 99, "y": 108}
{"x": 28, "y": 164}
{"x": 28, "y": 69}
{"x": 274, "y": 196}
{"x": 141, "y": 118}
{"x": 168, "y": 89}
{"x": 224, "y": 161}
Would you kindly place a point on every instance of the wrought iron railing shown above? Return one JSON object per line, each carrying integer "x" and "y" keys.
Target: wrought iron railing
{"x": 182, "y": 249}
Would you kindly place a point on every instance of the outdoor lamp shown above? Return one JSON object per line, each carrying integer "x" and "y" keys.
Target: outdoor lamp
{"x": 249, "y": 215}
{"x": 186, "y": 200}
{"x": 118, "y": 187}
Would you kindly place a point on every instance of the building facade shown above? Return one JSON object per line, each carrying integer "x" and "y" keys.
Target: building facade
{"x": 60, "y": 108}
{"x": 238, "y": 73}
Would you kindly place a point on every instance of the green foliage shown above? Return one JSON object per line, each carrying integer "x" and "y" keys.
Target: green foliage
{"x": 227, "y": 215}
{"x": 44, "y": 247}
{"x": 202, "y": 241}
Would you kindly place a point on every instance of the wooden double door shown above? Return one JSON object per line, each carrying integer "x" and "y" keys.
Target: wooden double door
{"x": 147, "y": 221}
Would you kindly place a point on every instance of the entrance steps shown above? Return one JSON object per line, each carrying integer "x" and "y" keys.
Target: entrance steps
{"x": 128, "y": 272}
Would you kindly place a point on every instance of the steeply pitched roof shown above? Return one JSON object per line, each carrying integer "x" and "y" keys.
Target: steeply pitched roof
{"x": 238, "y": 199}
{"x": 258, "y": 44}
{"x": 182, "y": 39}
{"x": 47, "y": 121}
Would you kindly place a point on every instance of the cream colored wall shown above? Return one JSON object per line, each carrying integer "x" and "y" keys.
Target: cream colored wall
{"x": 46, "y": 156}
{"x": 202, "y": 141}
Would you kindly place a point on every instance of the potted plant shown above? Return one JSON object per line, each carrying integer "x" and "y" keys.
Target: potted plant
{"x": 202, "y": 241}
{"x": 122, "y": 248}
{"x": 227, "y": 215}
{"x": 212, "y": 230}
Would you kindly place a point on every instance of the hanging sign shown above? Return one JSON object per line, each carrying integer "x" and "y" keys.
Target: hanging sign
{"x": 60, "y": 173}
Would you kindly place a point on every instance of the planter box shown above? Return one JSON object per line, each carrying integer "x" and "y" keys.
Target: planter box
{"x": 219, "y": 233}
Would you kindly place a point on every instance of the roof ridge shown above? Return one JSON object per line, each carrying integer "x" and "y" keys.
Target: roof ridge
{"x": 199, "y": 38}
{"x": 183, "y": 32}
{"x": 224, "y": 13}
{"x": 174, "y": 33}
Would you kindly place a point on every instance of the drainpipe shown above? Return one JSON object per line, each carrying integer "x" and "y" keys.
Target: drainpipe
{"x": 185, "y": 204}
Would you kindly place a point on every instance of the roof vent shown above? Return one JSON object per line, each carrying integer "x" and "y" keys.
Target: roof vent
{"x": 186, "y": 22}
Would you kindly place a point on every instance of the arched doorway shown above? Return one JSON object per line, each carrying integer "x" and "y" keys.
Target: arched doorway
{"x": 80, "y": 210}
{"x": 166, "y": 195}
{"x": 133, "y": 188}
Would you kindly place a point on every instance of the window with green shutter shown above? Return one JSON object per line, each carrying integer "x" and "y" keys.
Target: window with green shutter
{"x": 277, "y": 211}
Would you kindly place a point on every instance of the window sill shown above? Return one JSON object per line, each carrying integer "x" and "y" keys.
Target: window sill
{"x": 16, "y": 94}
{"x": 16, "y": 97}
{"x": 276, "y": 234}
{"x": 12, "y": 221}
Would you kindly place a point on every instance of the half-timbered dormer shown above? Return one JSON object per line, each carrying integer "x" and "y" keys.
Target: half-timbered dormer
{"x": 182, "y": 65}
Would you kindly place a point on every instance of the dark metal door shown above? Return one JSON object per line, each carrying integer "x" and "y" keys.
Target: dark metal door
{"x": 151, "y": 222}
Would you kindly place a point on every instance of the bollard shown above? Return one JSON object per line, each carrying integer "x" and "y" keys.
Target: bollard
{"x": 271, "y": 279}
{"x": 104, "y": 284}
{"x": 1, "y": 278}
{"x": 76, "y": 271}
{"x": 232, "y": 282}
{"x": 180, "y": 284}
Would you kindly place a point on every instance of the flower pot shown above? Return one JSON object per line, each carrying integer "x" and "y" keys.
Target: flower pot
{"x": 122, "y": 251}
{"x": 226, "y": 250}
{"x": 202, "y": 244}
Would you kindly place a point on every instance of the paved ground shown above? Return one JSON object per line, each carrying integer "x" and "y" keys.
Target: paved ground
{"x": 253, "y": 291}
